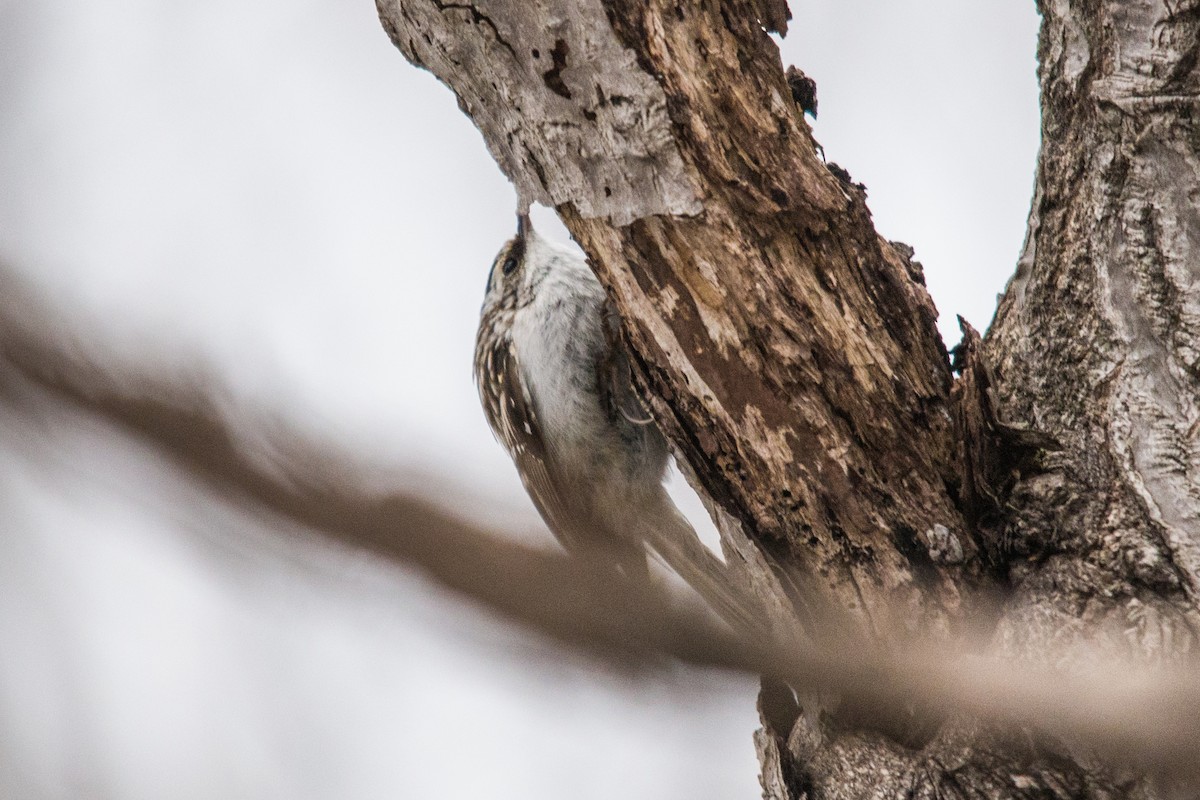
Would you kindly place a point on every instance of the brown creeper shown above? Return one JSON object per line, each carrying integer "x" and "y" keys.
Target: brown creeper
{"x": 558, "y": 395}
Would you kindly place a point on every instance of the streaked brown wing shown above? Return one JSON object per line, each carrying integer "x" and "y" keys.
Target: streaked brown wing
{"x": 511, "y": 412}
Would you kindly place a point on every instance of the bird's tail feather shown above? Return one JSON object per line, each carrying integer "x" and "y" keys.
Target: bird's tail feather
{"x": 670, "y": 535}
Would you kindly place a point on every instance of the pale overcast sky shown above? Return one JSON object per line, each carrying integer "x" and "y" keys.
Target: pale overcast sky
{"x": 268, "y": 186}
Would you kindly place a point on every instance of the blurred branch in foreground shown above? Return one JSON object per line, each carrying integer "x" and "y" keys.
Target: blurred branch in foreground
{"x": 1146, "y": 716}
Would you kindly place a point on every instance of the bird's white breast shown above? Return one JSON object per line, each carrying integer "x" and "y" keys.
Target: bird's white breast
{"x": 558, "y": 340}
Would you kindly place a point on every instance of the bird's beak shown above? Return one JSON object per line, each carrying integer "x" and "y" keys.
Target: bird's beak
{"x": 524, "y": 226}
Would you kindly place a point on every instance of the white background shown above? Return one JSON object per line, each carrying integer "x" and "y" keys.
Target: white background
{"x": 267, "y": 189}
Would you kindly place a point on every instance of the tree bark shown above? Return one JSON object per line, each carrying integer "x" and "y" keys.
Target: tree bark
{"x": 790, "y": 354}
{"x": 1095, "y": 342}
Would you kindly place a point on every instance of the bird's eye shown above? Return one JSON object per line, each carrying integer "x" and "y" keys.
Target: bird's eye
{"x": 510, "y": 264}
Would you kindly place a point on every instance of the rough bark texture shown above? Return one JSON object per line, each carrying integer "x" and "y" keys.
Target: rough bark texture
{"x": 791, "y": 355}
{"x": 1095, "y": 341}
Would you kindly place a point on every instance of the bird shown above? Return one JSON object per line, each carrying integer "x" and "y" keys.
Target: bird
{"x": 557, "y": 390}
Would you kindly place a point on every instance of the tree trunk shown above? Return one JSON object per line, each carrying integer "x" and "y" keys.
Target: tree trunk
{"x": 791, "y": 356}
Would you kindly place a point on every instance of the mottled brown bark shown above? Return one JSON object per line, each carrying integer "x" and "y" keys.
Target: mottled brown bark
{"x": 791, "y": 356}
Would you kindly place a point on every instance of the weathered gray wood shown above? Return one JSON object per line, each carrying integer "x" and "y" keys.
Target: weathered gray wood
{"x": 567, "y": 113}
{"x": 1096, "y": 339}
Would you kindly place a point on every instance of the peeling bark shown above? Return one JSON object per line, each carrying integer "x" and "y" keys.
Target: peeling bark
{"x": 790, "y": 353}
{"x": 566, "y": 111}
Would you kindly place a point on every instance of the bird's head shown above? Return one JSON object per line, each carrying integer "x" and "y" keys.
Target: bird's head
{"x": 508, "y": 283}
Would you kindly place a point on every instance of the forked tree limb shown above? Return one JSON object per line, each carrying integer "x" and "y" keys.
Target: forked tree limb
{"x": 790, "y": 353}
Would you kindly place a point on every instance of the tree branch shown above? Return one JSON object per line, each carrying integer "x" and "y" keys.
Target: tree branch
{"x": 1152, "y": 718}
